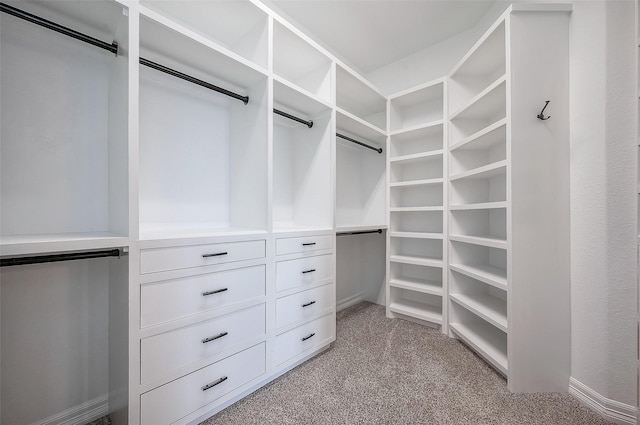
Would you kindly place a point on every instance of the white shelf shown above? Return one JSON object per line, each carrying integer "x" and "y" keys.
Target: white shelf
{"x": 486, "y": 340}
{"x": 490, "y": 275}
{"x": 423, "y": 138}
{"x": 418, "y": 285}
{"x": 418, "y": 261}
{"x": 490, "y": 136}
{"x": 416, "y": 235}
{"x": 424, "y": 182}
{"x": 401, "y": 134}
{"x": 480, "y": 240}
{"x": 491, "y": 309}
{"x": 487, "y": 103}
{"x": 416, "y": 156}
{"x": 360, "y": 99}
{"x": 39, "y": 244}
{"x": 360, "y": 228}
{"x": 426, "y": 312}
{"x": 484, "y": 172}
{"x": 347, "y": 122}
{"x": 418, "y": 106}
{"x": 416, "y": 209}
{"x": 479, "y": 206}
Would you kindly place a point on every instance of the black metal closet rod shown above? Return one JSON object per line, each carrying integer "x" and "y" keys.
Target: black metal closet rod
{"x": 342, "y": 136}
{"x": 113, "y": 47}
{"x": 293, "y": 117}
{"x": 20, "y": 261}
{"x": 362, "y": 232}
{"x": 166, "y": 70}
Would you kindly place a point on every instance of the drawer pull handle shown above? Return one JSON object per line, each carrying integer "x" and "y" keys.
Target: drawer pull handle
{"x": 213, "y": 338}
{"x": 308, "y": 271}
{"x": 308, "y": 304}
{"x": 217, "y": 291}
{"x": 308, "y": 244}
{"x": 214, "y": 383}
{"x": 308, "y": 336}
{"x": 217, "y": 254}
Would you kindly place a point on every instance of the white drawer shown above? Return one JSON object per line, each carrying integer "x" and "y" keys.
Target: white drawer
{"x": 303, "y": 271}
{"x": 166, "y": 352}
{"x": 172, "y": 401}
{"x": 304, "y": 305}
{"x": 182, "y": 257}
{"x": 168, "y": 300}
{"x": 303, "y": 338}
{"x": 304, "y": 244}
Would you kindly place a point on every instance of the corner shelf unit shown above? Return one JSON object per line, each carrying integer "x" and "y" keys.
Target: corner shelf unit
{"x": 416, "y": 241}
{"x": 508, "y": 228}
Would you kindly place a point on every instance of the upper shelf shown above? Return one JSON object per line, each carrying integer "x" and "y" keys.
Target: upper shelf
{"x": 238, "y": 26}
{"x": 417, "y": 107}
{"x": 354, "y": 95}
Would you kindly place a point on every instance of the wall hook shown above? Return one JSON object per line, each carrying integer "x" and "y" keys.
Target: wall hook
{"x": 541, "y": 114}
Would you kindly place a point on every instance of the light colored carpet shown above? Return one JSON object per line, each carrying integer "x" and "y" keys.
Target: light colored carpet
{"x": 382, "y": 371}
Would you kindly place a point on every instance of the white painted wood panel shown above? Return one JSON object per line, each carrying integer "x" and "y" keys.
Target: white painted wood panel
{"x": 303, "y": 338}
{"x": 304, "y": 244}
{"x": 303, "y": 271}
{"x": 304, "y": 305}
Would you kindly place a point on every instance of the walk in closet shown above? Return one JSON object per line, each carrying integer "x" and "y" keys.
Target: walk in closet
{"x": 221, "y": 185}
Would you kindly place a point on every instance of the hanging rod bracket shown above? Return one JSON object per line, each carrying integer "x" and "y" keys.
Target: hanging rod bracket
{"x": 342, "y": 136}
{"x": 541, "y": 114}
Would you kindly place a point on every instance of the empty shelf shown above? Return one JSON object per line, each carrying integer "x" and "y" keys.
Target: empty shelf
{"x": 416, "y": 235}
{"x": 417, "y": 156}
{"x": 426, "y": 312}
{"x": 486, "y": 138}
{"x": 420, "y": 261}
{"x": 491, "y": 99}
{"x": 486, "y": 341}
{"x": 480, "y": 240}
{"x": 479, "y": 206}
{"x": 416, "y": 209}
{"x": 424, "y": 182}
{"x": 490, "y": 275}
{"x": 418, "y": 285}
{"x": 484, "y": 172}
{"x": 491, "y": 309}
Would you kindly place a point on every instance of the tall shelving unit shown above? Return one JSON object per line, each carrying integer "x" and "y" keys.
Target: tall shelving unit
{"x": 508, "y": 199}
{"x": 416, "y": 242}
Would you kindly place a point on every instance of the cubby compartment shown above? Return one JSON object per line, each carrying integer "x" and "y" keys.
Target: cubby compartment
{"x": 302, "y": 183}
{"x": 416, "y": 167}
{"x": 64, "y": 129}
{"x": 422, "y": 222}
{"x": 64, "y": 341}
{"x": 360, "y": 175}
{"x": 483, "y": 263}
{"x": 417, "y": 107}
{"x": 416, "y": 251}
{"x": 483, "y": 227}
{"x": 417, "y": 278}
{"x": 484, "y": 188}
{"x": 484, "y": 64}
{"x": 418, "y": 305}
{"x": 358, "y": 97}
{"x": 239, "y": 26}
{"x": 485, "y": 301}
{"x": 483, "y": 150}
{"x": 419, "y": 195}
{"x": 300, "y": 63}
{"x": 424, "y": 139}
{"x": 202, "y": 154}
{"x": 485, "y": 339}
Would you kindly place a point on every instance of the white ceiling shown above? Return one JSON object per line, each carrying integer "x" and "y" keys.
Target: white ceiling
{"x": 368, "y": 34}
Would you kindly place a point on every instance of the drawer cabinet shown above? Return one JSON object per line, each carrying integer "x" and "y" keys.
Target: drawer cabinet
{"x": 170, "y": 402}
{"x": 168, "y": 300}
{"x": 303, "y": 271}
{"x": 304, "y": 305}
{"x": 182, "y": 257}
{"x": 169, "y": 351}
{"x": 303, "y": 244}
{"x": 303, "y": 338}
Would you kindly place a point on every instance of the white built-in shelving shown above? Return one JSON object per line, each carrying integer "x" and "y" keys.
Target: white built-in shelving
{"x": 356, "y": 96}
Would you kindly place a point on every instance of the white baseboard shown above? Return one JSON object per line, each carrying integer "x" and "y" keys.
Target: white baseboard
{"x": 80, "y": 414}
{"x": 348, "y": 302}
{"x": 612, "y": 410}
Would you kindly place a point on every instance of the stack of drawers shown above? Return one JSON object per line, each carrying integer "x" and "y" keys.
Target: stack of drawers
{"x": 305, "y": 296}
{"x": 202, "y": 325}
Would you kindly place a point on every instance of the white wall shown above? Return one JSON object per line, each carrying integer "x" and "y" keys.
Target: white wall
{"x": 603, "y": 181}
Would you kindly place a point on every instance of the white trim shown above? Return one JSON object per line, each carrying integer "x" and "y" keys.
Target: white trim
{"x": 612, "y": 410}
{"x": 349, "y": 301}
{"x": 80, "y": 414}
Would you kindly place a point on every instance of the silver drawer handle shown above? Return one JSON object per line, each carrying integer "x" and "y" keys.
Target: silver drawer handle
{"x": 308, "y": 336}
{"x": 308, "y": 271}
{"x": 213, "y": 338}
{"x": 308, "y": 244}
{"x": 308, "y": 304}
{"x": 217, "y": 254}
{"x": 217, "y": 291}
{"x": 214, "y": 383}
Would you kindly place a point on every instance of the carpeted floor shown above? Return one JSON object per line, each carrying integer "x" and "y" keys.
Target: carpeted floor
{"x": 382, "y": 371}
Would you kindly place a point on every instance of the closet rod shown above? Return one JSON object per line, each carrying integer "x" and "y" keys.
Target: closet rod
{"x": 193, "y": 80}
{"x": 113, "y": 47}
{"x": 20, "y": 261}
{"x": 362, "y": 232}
{"x": 293, "y": 117}
{"x": 379, "y": 150}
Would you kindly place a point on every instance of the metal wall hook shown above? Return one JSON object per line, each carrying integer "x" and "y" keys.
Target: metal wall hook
{"x": 541, "y": 114}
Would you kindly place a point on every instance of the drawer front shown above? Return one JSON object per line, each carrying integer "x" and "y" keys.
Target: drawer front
{"x": 304, "y": 305}
{"x": 183, "y": 257}
{"x": 168, "y": 300}
{"x": 304, "y": 244}
{"x": 172, "y": 401}
{"x": 303, "y": 271}
{"x": 303, "y": 338}
{"x": 166, "y": 352}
